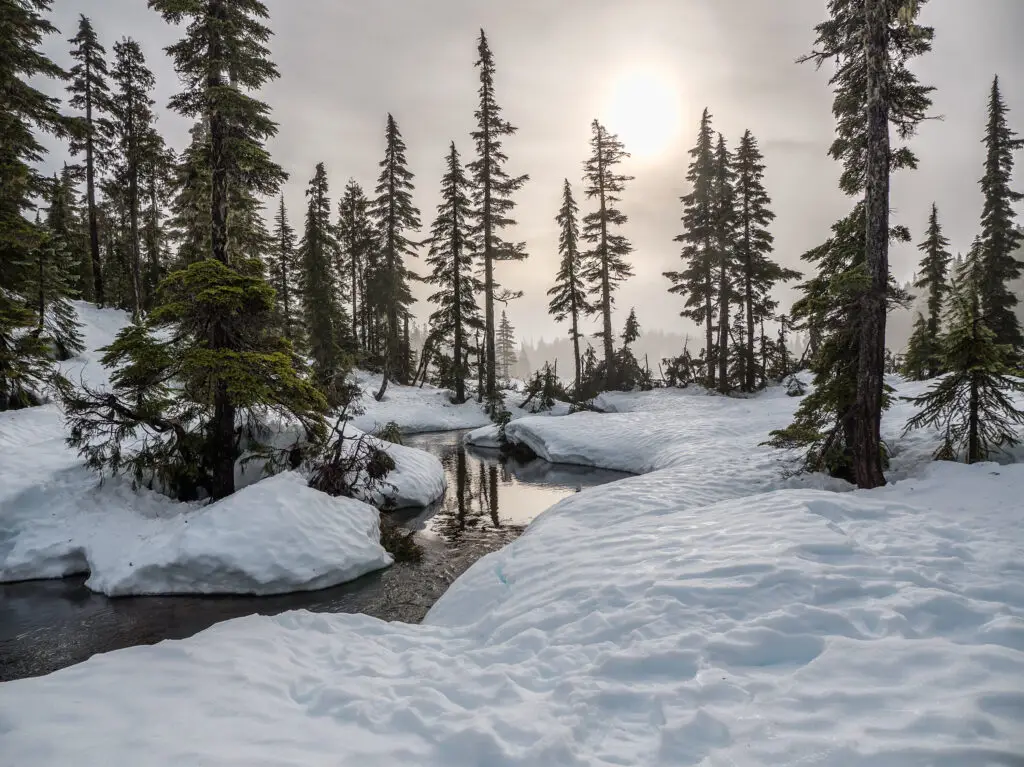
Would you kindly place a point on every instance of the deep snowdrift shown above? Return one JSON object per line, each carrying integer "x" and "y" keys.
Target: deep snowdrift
{"x": 271, "y": 537}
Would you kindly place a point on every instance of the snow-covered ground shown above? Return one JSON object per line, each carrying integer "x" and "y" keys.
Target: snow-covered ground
{"x": 276, "y": 535}
{"x": 683, "y": 617}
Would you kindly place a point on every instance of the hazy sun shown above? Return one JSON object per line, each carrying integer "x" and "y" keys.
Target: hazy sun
{"x": 644, "y": 110}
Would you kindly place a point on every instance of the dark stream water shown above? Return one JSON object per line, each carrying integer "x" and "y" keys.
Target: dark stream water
{"x": 47, "y": 625}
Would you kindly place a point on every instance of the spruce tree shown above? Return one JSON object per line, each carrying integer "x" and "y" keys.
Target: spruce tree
{"x": 871, "y": 43}
{"x": 924, "y": 352}
{"x": 569, "y": 295}
{"x": 1000, "y": 237}
{"x": 972, "y": 404}
{"x": 355, "y": 235}
{"x": 725, "y": 255}
{"x": 932, "y": 280}
{"x": 605, "y": 265}
{"x": 506, "y": 347}
{"x": 66, "y": 223}
{"x": 158, "y": 162}
{"x": 452, "y": 260}
{"x": 493, "y": 205}
{"x": 132, "y": 121}
{"x": 284, "y": 275}
{"x": 49, "y": 286}
{"x": 394, "y": 216}
{"x": 697, "y": 280}
{"x": 189, "y": 223}
{"x": 759, "y": 274}
{"x": 90, "y": 95}
{"x": 631, "y": 331}
{"x": 326, "y": 326}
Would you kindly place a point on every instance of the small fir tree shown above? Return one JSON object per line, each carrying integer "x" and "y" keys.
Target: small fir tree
{"x": 285, "y": 269}
{"x": 569, "y": 295}
{"x": 355, "y": 235}
{"x": 925, "y": 343}
{"x": 506, "y": 347}
{"x": 726, "y": 266}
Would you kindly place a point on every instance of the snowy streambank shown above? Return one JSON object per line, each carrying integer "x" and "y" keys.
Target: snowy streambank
{"x": 630, "y": 625}
{"x": 275, "y": 535}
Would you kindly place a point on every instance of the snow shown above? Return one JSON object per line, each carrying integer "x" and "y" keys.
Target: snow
{"x": 706, "y": 613}
{"x": 275, "y": 535}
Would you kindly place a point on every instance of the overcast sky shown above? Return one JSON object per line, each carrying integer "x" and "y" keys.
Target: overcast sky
{"x": 560, "y": 63}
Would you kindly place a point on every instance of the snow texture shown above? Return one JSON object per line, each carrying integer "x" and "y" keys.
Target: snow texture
{"x": 683, "y": 617}
{"x": 272, "y": 536}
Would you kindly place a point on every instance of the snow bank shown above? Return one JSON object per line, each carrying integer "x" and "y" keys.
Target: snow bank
{"x": 629, "y": 625}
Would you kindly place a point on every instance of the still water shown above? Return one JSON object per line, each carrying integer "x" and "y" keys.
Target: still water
{"x": 47, "y": 625}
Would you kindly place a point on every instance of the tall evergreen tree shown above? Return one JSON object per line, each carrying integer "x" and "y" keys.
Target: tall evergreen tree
{"x": 697, "y": 280}
{"x": 493, "y": 204}
{"x": 451, "y": 256}
{"x": 158, "y": 162}
{"x": 605, "y": 263}
{"x": 326, "y": 326}
{"x": 355, "y": 235}
{"x": 394, "y": 215}
{"x": 506, "y": 347}
{"x": 973, "y": 404}
{"x": 871, "y": 43}
{"x": 1000, "y": 237}
{"x": 726, "y": 267}
{"x": 284, "y": 274}
{"x": 90, "y": 94}
{"x": 24, "y": 109}
{"x": 932, "y": 280}
{"x": 132, "y": 120}
{"x": 66, "y": 223}
{"x": 569, "y": 295}
{"x": 759, "y": 274}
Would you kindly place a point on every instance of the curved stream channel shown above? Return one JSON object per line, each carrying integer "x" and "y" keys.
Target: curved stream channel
{"x": 47, "y": 625}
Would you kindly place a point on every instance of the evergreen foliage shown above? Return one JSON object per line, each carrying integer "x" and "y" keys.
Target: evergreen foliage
{"x": 605, "y": 264}
{"x": 924, "y": 350}
{"x": 725, "y": 266}
{"x": 356, "y": 238}
{"x": 569, "y": 298}
{"x": 284, "y": 269}
{"x": 493, "y": 190}
{"x": 506, "y": 347}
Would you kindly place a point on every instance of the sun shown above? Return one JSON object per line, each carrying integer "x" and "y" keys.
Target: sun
{"x": 644, "y": 109}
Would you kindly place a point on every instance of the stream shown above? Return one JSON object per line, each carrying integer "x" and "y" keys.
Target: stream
{"x": 47, "y": 625}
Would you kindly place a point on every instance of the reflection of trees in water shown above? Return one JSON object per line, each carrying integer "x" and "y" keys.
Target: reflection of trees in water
{"x": 471, "y": 503}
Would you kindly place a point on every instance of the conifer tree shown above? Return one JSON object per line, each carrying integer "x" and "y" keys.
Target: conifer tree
{"x": 759, "y": 274}
{"x": 25, "y": 367}
{"x": 697, "y": 280}
{"x": 493, "y": 205}
{"x": 394, "y": 216}
{"x": 605, "y": 263}
{"x": 355, "y": 236}
{"x": 65, "y": 222}
{"x": 451, "y": 258}
{"x": 569, "y": 295}
{"x": 90, "y": 94}
{"x": 284, "y": 274}
{"x": 132, "y": 123}
{"x": 1000, "y": 237}
{"x": 925, "y": 345}
{"x": 326, "y": 326}
{"x": 725, "y": 255}
{"x": 871, "y": 43}
{"x": 631, "y": 331}
{"x": 973, "y": 404}
{"x": 158, "y": 162}
{"x": 49, "y": 284}
{"x": 506, "y": 347}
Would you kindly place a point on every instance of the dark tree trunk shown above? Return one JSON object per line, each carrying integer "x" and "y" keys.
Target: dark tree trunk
{"x": 133, "y": 220}
{"x": 576, "y": 352}
{"x": 709, "y": 349}
{"x": 458, "y": 342}
{"x": 90, "y": 190}
{"x": 867, "y": 453}
{"x": 606, "y": 288}
{"x": 723, "y": 329}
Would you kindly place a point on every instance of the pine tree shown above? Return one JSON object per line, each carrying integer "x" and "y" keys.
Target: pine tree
{"x": 284, "y": 274}
{"x": 90, "y": 95}
{"x": 506, "y": 347}
{"x": 631, "y": 332}
{"x": 1000, "y": 237}
{"x": 451, "y": 259}
{"x": 326, "y": 327}
{"x": 394, "y": 215}
{"x": 49, "y": 285}
{"x": 725, "y": 255}
{"x": 871, "y": 43}
{"x": 158, "y": 162}
{"x": 605, "y": 263}
{"x": 66, "y": 224}
{"x": 973, "y": 404}
{"x": 925, "y": 343}
{"x": 697, "y": 281}
{"x": 132, "y": 122}
{"x": 355, "y": 235}
{"x": 759, "y": 274}
{"x": 493, "y": 205}
{"x": 569, "y": 294}
{"x": 221, "y": 354}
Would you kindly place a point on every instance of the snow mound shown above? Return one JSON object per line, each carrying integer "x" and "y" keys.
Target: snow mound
{"x": 629, "y": 625}
{"x": 416, "y": 410}
{"x": 418, "y": 478}
{"x": 274, "y": 537}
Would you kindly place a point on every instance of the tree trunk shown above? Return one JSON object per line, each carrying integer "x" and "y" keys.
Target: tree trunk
{"x": 751, "y": 383}
{"x": 133, "y": 218}
{"x": 576, "y": 353}
{"x": 606, "y": 290}
{"x": 723, "y": 329}
{"x": 488, "y": 231}
{"x": 974, "y": 452}
{"x": 457, "y": 357}
{"x": 709, "y": 350}
{"x": 867, "y": 446}
{"x": 90, "y": 190}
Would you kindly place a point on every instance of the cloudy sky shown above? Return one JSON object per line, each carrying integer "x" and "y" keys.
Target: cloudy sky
{"x": 645, "y": 68}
